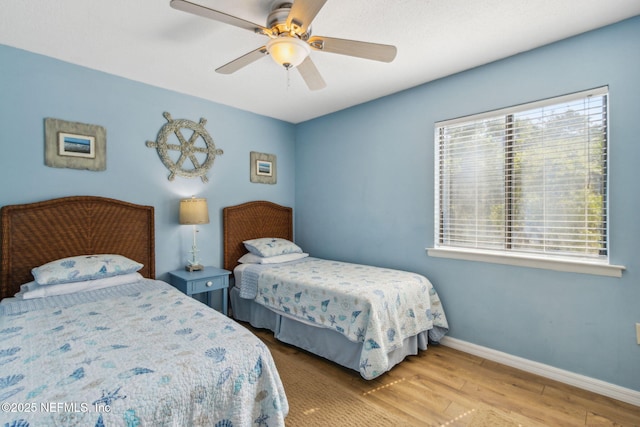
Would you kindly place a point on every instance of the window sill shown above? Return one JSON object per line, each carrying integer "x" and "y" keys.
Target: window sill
{"x": 567, "y": 265}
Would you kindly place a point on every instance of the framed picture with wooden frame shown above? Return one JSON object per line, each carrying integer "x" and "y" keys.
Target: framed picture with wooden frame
{"x": 263, "y": 168}
{"x": 74, "y": 145}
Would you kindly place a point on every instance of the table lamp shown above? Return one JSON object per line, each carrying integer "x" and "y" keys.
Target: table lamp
{"x": 194, "y": 211}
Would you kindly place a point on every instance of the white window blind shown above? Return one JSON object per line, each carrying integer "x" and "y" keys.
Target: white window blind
{"x": 529, "y": 179}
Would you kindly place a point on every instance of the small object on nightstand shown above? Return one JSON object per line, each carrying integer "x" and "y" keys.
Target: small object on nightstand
{"x": 206, "y": 280}
{"x": 193, "y": 212}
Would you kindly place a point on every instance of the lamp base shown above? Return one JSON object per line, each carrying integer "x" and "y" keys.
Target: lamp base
{"x": 194, "y": 267}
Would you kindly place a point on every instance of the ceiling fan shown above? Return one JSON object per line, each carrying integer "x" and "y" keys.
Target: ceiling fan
{"x": 289, "y": 30}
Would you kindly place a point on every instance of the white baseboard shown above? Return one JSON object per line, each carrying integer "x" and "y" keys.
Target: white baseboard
{"x": 586, "y": 383}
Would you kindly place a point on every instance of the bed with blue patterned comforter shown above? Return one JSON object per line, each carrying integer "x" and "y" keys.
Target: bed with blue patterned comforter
{"x": 133, "y": 355}
{"x": 377, "y": 307}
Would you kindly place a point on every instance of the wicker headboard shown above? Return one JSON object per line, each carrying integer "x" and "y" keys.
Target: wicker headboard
{"x": 36, "y": 233}
{"x": 252, "y": 220}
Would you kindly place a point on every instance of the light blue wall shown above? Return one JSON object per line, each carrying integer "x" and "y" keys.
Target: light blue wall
{"x": 364, "y": 193}
{"x": 33, "y": 87}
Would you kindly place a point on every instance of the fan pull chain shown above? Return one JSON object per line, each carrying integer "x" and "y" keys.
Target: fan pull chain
{"x": 288, "y": 78}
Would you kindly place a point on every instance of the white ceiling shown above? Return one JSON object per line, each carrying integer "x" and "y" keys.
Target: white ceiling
{"x": 148, "y": 41}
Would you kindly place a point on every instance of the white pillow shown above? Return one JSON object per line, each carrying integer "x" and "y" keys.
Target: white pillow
{"x": 271, "y": 246}
{"x": 250, "y": 258}
{"x": 84, "y": 267}
{"x": 34, "y": 290}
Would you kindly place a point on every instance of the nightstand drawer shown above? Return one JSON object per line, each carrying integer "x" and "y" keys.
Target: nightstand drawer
{"x": 206, "y": 285}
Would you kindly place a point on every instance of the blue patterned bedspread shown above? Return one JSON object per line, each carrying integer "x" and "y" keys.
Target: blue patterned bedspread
{"x": 133, "y": 355}
{"x": 378, "y": 307}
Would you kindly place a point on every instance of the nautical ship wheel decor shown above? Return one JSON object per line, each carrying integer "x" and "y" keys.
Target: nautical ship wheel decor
{"x": 191, "y": 158}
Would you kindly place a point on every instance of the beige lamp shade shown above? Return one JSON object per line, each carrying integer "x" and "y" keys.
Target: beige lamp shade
{"x": 194, "y": 211}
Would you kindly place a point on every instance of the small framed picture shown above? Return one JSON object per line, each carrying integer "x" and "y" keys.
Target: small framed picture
{"x": 74, "y": 145}
{"x": 70, "y": 144}
{"x": 263, "y": 168}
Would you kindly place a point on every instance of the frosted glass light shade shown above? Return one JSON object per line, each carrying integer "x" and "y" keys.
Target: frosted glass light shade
{"x": 288, "y": 51}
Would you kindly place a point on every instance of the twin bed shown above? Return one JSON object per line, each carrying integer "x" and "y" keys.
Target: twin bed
{"x": 364, "y": 318}
{"x": 114, "y": 346}
{"x": 137, "y": 353}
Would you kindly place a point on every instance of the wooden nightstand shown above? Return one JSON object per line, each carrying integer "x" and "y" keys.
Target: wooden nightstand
{"x": 206, "y": 280}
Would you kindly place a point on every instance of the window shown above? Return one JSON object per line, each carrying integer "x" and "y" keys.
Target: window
{"x": 528, "y": 181}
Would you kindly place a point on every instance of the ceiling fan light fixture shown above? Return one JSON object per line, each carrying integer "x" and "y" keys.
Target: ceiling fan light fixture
{"x": 288, "y": 51}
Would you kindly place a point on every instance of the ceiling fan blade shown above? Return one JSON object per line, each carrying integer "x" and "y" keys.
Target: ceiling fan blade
{"x": 196, "y": 9}
{"x": 374, "y": 51}
{"x": 243, "y": 61}
{"x": 303, "y": 11}
{"x": 311, "y": 75}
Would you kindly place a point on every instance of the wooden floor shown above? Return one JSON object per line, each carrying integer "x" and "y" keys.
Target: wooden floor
{"x": 449, "y": 387}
